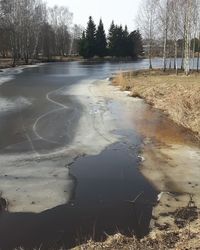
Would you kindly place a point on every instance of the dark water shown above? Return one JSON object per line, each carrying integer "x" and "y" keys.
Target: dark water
{"x": 100, "y": 205}
{"x": 104, "y": 184}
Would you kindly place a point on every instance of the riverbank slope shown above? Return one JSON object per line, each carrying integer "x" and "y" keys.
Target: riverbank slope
{"x": 185, "y": 238}
{"x": 176, "y": 95}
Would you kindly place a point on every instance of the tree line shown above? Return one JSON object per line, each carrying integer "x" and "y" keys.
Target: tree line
{"x": 175, "y": 24}
{"x": 29, "y": 29}
{"x": 118, "y": 43}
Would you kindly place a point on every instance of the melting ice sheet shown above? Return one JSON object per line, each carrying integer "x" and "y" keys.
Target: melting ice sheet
{"x": 9, "y": 74}
{"x": 10, "y": 105}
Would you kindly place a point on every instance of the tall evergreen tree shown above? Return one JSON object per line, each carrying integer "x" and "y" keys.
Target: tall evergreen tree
{"x": 125, "y": 41}
{"x": 117, "y": 41}
{"x": 120, "y": 41}
{"x": 136, "y": 45}
{"x": 101, "y": 42}
{"x": 111, "y": 39}
{"x": 90, "y": 38}
{"x": 83, "y": 46}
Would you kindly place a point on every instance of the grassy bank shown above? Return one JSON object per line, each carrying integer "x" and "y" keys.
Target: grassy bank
{"x": 177, "y": 95}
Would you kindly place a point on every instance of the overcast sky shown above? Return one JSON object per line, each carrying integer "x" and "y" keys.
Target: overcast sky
{"x": 122, "y": 12}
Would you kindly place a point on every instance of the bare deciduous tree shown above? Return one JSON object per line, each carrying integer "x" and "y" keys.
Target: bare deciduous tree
{"x": 23, "y": 34}
{"x": 147, "y": 22}
{"x": 176, "y": 23}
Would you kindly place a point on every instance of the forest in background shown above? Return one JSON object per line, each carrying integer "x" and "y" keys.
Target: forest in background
{"x": 170, "y": 29}
{"x": 30, "y": 30}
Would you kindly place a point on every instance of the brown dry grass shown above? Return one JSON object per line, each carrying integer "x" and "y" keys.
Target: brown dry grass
{"x": 186, "y": 238}
{"x": 177, "y": 95}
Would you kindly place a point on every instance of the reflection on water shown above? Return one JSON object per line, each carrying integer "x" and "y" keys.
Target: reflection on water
{"x": 153, "y": 124}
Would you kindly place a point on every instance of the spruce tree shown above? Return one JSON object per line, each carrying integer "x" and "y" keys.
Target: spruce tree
{"x": 135, "y": 44}
{"x": 83, "y": 46}
{"x": 101, "y": 42}
{"x": 118, "y": 44}
{"x": 111, "y": 39}
{"x": 126, "y": 43}
{"x": 118, "y": 41}
{"x": 90, "y": 38}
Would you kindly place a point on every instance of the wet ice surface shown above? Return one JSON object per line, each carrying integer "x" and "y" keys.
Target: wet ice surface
{"x": 5, "y": 78}
{"x": 39, "y": 144}
{"x": 45, "y": 173}
{"x": 9, "y": 74}
{"x": 7, "y": 105}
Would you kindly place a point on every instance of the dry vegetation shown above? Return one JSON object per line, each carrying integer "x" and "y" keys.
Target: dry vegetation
{"x": 186, "y": 238}
{"x": 177, "y": 95}
{"x": 5, "y": 63}
{"x": 182, "y": 234}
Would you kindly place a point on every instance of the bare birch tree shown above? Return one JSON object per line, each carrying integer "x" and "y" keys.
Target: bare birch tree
{"x": 147, "y": 22}
{"x": 174, "y": 26}
{"x": 187, "y": 25}
{"x": 61, "y": 20}
{"x": 164, "y": 17}
{"x": 177, "y": 24}
{"x": 22, "y": 25}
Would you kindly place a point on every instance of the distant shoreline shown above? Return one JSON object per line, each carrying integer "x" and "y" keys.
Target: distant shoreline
{"x": 7, "y": 62}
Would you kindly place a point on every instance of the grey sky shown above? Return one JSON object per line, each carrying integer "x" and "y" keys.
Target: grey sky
{"x": 122, "y": 12}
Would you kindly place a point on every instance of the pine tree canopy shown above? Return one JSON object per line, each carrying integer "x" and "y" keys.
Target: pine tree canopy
{"x": 101, "y": 43}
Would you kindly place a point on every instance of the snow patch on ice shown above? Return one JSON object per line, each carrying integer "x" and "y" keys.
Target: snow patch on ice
{"x": 5, "y": 79}
{"x": 10, "y": 105}
{"x": 7, "y": 75}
